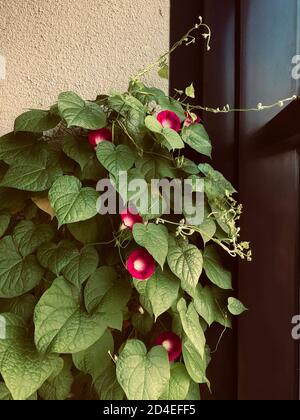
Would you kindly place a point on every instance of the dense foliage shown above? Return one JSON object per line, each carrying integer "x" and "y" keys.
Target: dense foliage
{"x": 75, "y": 323}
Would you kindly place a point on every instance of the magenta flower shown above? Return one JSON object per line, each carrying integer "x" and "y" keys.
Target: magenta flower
{"x": 98, "y": 136}
{"x": 130, "y": 217}
{"x": 169, "y": 119}
{"x": 141, "y": 265}
{"x": 190, "y": 121}
{"x": 172, "y": 343}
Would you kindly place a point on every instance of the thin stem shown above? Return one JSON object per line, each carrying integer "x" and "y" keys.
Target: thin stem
{"x": 104, "y": 243}
{"x": 187, "y": 39}
{"x": 219, "y": 341}
{"x": 159, "y": 155}
{"x": 130, "y": 137}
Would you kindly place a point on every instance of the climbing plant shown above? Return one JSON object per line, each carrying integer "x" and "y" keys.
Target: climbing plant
{"x": 112, "y": 306}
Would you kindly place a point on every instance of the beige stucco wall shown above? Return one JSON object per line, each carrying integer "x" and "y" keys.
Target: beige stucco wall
{"x": 89, "y": 46}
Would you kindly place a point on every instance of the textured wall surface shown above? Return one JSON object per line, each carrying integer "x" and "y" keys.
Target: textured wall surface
{"x": 89, "y": 46}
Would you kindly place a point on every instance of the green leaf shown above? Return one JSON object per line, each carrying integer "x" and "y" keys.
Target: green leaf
{"x": 214, "y": 270}
{"x": 115, "y": 159}
{"x": 95, "y": 360}
{"x": 143, "y": 323}
{"x": 29, "y": 236}
{"x": 71, "y": 202}
{"x": 78, "y": 149}
{"x": 23, "y": 369}
{"x": 170, "y": 104}
{"x": 81, "y": 266}
{"x": 208, "y": 307}
{"x": 194, "y": 392}
{"x": 93, "y": 171}
{"x": 186, "y": 263}
{"x": 236, "y": 307}
{"x": 143, "y": 376}
{"x": 173, "y": 139}
{"x": 195, "y": 364}
{"x": 22, "y": 306}
{"x": 162, "y": 291}
{"x": 61, "y": 325}
{"x": 87, "y": 232}
{"x": 153, "y": 167}
{"x": 36, "y": 175}
{"x": 190, "y": 91}
{"x": 163, "y": 72}
{"x": 153, "y": 124}
{"x": 154, "y": 238}
{"x": 179, "y": 384}
{"x": 4, "y": 223}
{"x": 125, "y": 103}
{"x": 197, "y": 138}
{"x": 5, "y": 394}
{"x": 106, "y": 293}
{"x": 146, "y": 94}
{"x": 80, "y": 113}
{"x": 107, "y": 387}
{"x": 18, "y": 146}
{"x": 58, "y": 386}
{"x": 216, "y": 185}
{"x": 36, "y": 121}
{"x": 141, "y": 287}
{"x": 207, "y": 230}
{"x": 191, "y": 326}
{"x": 190, "y": 167}
{"x": 55, "y": 257}
{"x": 18, "y": 275}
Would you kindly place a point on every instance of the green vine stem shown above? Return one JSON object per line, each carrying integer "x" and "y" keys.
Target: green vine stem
{"x": 187, "y": 40}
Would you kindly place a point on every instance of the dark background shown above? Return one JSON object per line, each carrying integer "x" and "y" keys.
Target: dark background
{"x": 253, "y": 44}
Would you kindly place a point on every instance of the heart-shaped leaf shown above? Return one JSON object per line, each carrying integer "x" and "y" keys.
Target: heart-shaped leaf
{"x": 80, "y": 113}
{"x": 154, "y": 238}
{"x": 34, "y": 175}
{"x": 186, "y": 263}
{"x": 78, "y": 149}
{"x": 115, "y": 159}
{"x": 81, "y": 265}
{"x": 55, "y": 257}
{"x": 61, "y": 325}
{"x": 23, "y": 369}
{"x": 197, "y": 138}
{"x": 142, "y": 375}
{"x": 105, "y": 292}
{"x": 29, "y": 236}
{"x": 162, "y": 291}
{"x": 18, "y": 275}
{"x": 71, "y": 202}
{"x": 236, "y": 307}
{"x": 36, "y": 121}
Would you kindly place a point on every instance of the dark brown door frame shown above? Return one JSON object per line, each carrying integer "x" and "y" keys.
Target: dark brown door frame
{"x": 258, "y": 360}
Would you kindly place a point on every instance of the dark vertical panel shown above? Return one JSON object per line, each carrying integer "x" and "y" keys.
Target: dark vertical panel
{"x": 252, "y": 47}
{"x": 213, "y": 74}
{"x": 218, "y": 90}
{"x": 269, "y": 186}
{"x": 186, "y": 62}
